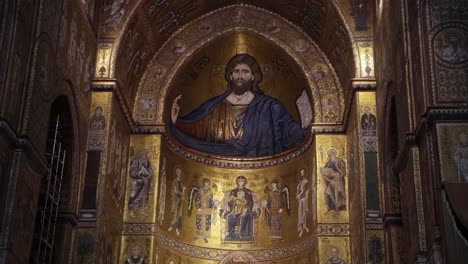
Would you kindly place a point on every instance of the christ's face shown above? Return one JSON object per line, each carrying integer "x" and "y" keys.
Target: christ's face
{"x": 178, "y": 174}
{"x": 241, "y": 78}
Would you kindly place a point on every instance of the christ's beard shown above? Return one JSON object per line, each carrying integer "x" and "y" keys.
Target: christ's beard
{"x": 240, "y": 86}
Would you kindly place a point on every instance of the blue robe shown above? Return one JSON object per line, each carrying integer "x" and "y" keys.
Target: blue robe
{"x": 268, "y": 127}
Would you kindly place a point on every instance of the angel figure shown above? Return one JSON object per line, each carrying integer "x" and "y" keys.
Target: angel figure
{"x": 205, "y": 207}
{"x": 278, "y": 199}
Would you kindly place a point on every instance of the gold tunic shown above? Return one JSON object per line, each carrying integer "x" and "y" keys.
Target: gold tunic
{"x": 224, "y": 124}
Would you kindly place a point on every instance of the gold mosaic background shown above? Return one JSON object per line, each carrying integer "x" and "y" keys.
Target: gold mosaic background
{"x": 323, "y": 144}
{"x": 224, "y": 180}
{"x": 203, "y": 76}
{"x": 137, "y": 144}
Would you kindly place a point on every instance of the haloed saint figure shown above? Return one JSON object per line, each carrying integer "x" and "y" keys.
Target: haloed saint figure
{"x": 141, "y": 174}
{"x": 242, "y": 122}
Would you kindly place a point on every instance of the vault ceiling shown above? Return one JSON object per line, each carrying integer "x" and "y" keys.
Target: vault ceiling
{"x": 139, "y": 28}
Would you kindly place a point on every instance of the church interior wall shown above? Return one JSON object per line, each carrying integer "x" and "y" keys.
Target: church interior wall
{"x": 423, "y": 30}
{"x": 48, "y": 47}
{"x": 406, "y": 60}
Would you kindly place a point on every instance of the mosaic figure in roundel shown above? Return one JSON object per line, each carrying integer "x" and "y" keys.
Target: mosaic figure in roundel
{"x": 205, "y": 205}
{"x": 334, "y": 174}
{"x": 242, "y": 122}
{"x": 141, "y": 174}
{"x": 239, "y": 212}
{"x": 453, "y": 50}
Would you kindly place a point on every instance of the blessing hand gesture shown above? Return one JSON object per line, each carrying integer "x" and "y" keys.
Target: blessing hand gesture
{"x": 175, "y": 109}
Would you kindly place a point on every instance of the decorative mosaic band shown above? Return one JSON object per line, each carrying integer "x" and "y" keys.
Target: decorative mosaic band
{"x": 218, "y": 254}
{"x": 374, "y": 226}
{"x": 138, "y": 229}
{"x": 237, "y": 163}
{"x": 333, "y": 230}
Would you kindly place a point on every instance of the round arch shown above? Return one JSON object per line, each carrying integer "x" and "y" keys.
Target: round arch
{"x": 325, "y": 87}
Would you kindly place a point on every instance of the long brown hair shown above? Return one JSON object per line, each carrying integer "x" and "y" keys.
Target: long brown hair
{"x": 249, "y": 61}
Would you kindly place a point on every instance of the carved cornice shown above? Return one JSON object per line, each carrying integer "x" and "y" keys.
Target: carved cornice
{"x": 427, "y": 121}
{"x": 363, "y": 84}
{"x": 37, "y": 161}
{"x": 113, "y": 86}
{"x": 156, "y": 129}
{"x": 441, "y": 115}
{"x": 392, "y": 219}
{"x": 68, "y": 218}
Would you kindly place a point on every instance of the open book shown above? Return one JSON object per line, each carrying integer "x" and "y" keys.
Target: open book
{"x": 305, "y": 109}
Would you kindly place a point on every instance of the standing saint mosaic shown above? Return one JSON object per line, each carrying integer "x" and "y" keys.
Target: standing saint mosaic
{"x": 302, "y": 197}
{"x": 141, "y": 174}
{"x": 177, "y": 198}
{"x": 96, "y": 132}
{"x": 460, "y": 157}
{"x": 334, "y": 174}
{"x": 278, "y": 199}
{"x": 162, "y": 194}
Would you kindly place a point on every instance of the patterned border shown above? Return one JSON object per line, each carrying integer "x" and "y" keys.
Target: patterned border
{"x": 138, "y": 229}
{"x": 419, "y": 200}
{"x": 236, "y": 163}
{"x": 374, "y": 226}
{"x": 160, "y": 72}
{"x": 333, "y": 230}
{"x": 218, "y": 254}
